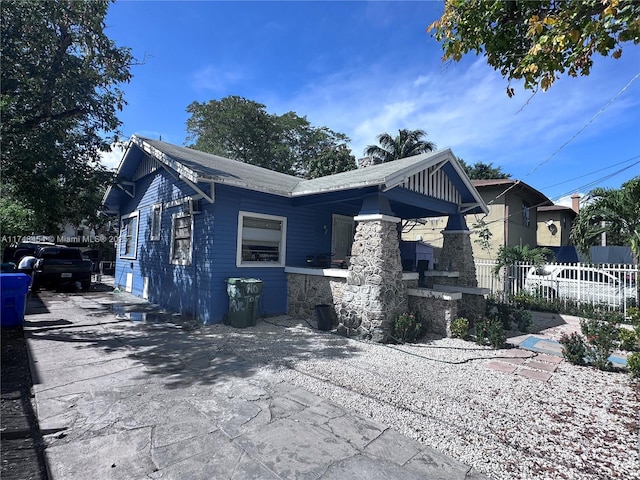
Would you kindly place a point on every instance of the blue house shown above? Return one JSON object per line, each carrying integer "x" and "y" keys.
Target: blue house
{"x": 189, "y": 220}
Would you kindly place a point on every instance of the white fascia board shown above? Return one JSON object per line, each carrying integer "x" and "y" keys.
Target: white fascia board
{"x": 430, "y": 159}
{"x": 166, "y": 160}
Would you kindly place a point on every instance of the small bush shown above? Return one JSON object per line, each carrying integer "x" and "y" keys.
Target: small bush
{"x": 490, "y": 332}
{"x": 407, "y": 328}
{"x": 523, "y": 319}
{"x": 460, "y": 328}
{"x": 601, "y": 338}
{"x": 575, "y": 350}
{"x": 633, "y": 365}
{"x": 628, "y": 340}
{"x": 634, "y": 315}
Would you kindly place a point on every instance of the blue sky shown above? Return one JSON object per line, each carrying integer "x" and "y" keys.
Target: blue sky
{"x": 363, "y": 68}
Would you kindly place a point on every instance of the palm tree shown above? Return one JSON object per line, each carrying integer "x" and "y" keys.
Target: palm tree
{"x": 510, "y": 255}
{"x": 615, "y": 212}
{"x": 406, "y": 144}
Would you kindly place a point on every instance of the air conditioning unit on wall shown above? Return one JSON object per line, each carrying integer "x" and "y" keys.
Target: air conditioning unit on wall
{"x": 192, "y": 206}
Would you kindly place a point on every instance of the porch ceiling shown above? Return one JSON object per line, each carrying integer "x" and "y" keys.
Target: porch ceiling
{"x": 404, "y": 203}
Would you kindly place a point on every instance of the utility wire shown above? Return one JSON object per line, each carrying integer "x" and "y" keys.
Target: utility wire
{"x": 607, "y": 105}
{"x": 591, "y": 173}
{"x": 585, "y": 125}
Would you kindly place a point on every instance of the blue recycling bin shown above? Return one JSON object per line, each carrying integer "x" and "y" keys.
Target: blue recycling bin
{"x": 13, "y": 298}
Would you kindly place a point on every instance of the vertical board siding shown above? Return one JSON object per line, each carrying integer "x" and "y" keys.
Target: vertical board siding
{"x": 434, "y": 183}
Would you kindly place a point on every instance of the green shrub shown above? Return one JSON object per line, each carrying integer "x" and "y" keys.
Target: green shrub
{"x": 523, "y": 320}
{"x": 490, "y": 332}
{"x": 601, "y": 338}
{"x": 634, "y": 315}
{"x": 628, "y": 340}
{"x": 575, "y": 350}
{"x": 633, "y": 365}
{"x": 407, "y": 327}
{"x": 460, "y": 328}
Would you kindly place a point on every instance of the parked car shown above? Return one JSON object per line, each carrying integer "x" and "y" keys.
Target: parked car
{"x": 58, "y": 265}
{"x": 582, "y": 284}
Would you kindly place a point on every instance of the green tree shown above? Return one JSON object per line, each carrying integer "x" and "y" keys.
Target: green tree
{"x": 483, "y": 171}
{"x": 59, "y": 97}
{"x": 243, "y": 130}
{"x": 615, "y": 212}
{"x": 331, "y": 160}
{"x": 15, "y": 220}
{"x": 536, "y": 41}
{"x": 406, "y": 144}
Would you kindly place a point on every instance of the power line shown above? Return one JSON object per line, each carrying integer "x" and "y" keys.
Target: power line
{"x": 586, "y": 124}
{"x": 607, "y": 105}
{"x": 591, "y": 173}
{"x": 588, "y": 185}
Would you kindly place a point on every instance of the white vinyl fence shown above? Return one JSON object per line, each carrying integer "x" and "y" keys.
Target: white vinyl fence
{"x": 614, "y": 286}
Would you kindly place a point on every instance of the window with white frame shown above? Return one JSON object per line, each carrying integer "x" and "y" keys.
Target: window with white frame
{"x": 261, "y": 240}
{"x": 181, "y": 239}
{"x": 129, "y": 235}
{"x": 155, "y": 222}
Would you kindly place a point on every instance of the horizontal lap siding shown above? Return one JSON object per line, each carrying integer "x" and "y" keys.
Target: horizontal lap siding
{"x": 172, "y": 286}
{"x": 304, "y": 232}
{"x": 199, "y": 289}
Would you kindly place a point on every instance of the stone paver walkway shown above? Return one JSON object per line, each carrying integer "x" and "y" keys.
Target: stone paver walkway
{"x": 520, "y": 362}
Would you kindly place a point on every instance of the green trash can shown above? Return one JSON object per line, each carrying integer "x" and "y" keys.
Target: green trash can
{"x": 244, "y": 294}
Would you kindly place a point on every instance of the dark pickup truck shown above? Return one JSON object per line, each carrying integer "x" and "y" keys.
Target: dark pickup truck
{"x": 57, "y": 265}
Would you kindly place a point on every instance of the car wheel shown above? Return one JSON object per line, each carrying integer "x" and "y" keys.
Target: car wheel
{"x": 86, "y": 285}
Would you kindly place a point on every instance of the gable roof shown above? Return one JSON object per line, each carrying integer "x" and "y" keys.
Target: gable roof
{"x": 557, "y": 208}
{"x": 538, "y": 198}
{"x": 198, "y": 167}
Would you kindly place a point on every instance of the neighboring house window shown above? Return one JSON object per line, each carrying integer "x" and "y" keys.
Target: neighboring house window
{"x": 129, "y": 235}
{"x": 261, "y": 240}
{"x": 526, "y": 214}
{"x": 156, "y": 218}
{"x": 181, "y": 239}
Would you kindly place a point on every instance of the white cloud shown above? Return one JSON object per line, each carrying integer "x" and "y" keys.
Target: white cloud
{"x": 462, "y": 107}
{"x": 566, "y": 200}
{"x": 216, "y": 78}
{"x": 111, "y": 159}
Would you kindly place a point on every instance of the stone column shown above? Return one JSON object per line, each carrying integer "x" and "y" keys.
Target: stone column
{"x": 457, "y": 256}
{"x": 374, "y": 294}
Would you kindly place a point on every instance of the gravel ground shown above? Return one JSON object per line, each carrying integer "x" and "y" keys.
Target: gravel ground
{"x": 581, "y": 424}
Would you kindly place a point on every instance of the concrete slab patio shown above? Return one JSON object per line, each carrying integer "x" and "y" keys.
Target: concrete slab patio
{"x": 126, "y": 399}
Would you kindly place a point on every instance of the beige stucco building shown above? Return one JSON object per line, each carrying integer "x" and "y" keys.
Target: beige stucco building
{"x": 554, "y": 225}
{"x": 512, "y": 218}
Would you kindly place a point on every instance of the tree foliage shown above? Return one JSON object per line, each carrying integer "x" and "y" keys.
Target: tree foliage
{"x": 59, "y": 99}
{"x": 615, "y": 212}
{"x": 509, "y": 255}
{"x": 331, "y": 160}
{"x": 243, "y": 130}
{"x": 16, "y": 220}
{"x": 483, "y": 171}
{"x": 406, "y": 144}
{"x": 536, "y": 41}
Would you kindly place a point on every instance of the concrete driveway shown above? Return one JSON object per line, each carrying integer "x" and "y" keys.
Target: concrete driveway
{"x": 125, "y": 390}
